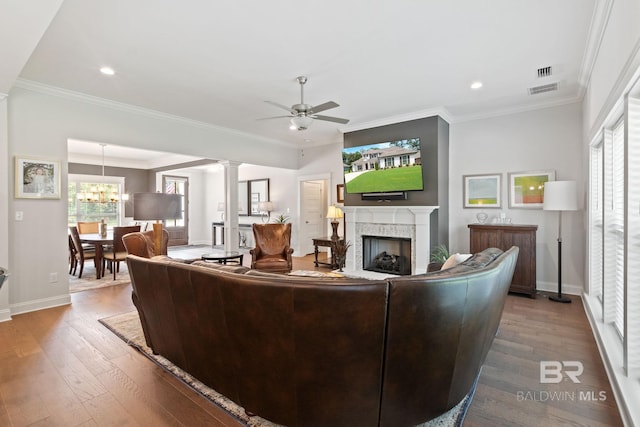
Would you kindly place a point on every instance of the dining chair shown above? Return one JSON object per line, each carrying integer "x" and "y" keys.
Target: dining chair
{"x": 79, "y": 252}
{"x": 73, "y": 262}
{"x": 88, "y": 227}
{"x": 118, "y": 252}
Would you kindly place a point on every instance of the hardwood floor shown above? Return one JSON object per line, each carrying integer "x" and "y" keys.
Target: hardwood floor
{"x": 60, "y": 367}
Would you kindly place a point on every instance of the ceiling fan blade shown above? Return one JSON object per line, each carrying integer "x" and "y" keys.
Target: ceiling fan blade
{"x": 331, "y": 119}
{"x": 284, "y": 107}
{"x": 274, "y": 117}
{"x": 323, "y": 107}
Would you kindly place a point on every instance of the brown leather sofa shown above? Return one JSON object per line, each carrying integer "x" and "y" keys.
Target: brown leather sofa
{"x": 303, "y": 351}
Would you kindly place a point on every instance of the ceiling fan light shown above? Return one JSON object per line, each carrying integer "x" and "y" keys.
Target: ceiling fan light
{"x": 301, "y": 122}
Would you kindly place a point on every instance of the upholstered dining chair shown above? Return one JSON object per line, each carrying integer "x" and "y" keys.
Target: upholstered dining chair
{"x": 80, "y": 253}
{"x": 142, "y": 244}
{"x": 118, "y": 252}
{"x": 88, "y": 227}
{"x": 272, "y": 252}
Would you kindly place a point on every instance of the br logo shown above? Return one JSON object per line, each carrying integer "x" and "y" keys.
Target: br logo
{"x": 553, "y": 371}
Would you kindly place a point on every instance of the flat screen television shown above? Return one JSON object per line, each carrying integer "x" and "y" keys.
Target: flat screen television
{"x": 385, "y": 167}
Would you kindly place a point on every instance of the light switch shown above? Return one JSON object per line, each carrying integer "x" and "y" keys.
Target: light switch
{"x": 19, "y": 215}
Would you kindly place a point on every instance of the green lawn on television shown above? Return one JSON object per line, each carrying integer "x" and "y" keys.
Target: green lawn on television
{"x": 383, "y": 180}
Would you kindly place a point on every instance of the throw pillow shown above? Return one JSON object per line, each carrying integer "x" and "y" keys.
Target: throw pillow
{"x": 454, "y": 260}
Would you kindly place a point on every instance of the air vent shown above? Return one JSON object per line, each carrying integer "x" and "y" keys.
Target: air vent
{"x": 544, "y": 72}
{"x": 544, "y": 88}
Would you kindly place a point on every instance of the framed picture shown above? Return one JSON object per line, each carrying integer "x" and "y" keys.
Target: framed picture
{"x": 482, "y": 191}
{"x": 526, "y": 189}
{"x": 340, "y": 193}
{"x": 37, "y": 178}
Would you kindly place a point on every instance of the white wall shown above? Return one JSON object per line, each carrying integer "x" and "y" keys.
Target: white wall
{"x": 536, "y": 140}
{"x": 4, "y": 206}
{"x": 39, "y": 124}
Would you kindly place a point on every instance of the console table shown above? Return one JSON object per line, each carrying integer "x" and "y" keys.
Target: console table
{"x": 214, "y": 234}
{"x": 324, "y": 242}
{"x": 503, "y": 236}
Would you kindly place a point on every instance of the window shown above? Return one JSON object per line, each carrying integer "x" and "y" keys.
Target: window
{"x": 388, "y": 162}
{"x": 404, "y": 159}
{"x": 84, "y": 192}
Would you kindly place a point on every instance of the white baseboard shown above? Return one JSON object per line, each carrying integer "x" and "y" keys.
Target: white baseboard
{"x": 567, "y": 288}
{"x": 5, "y": 315}
{"x": 40, "y": 304}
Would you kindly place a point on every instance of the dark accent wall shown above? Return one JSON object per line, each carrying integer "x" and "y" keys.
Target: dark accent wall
{"x": 434, "y": 149}
{"x": 135, "y": 180}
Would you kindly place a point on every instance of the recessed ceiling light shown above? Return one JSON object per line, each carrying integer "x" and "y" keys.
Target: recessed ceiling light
{"x": 107, "y": 71}
{"x": 476, "y": 85}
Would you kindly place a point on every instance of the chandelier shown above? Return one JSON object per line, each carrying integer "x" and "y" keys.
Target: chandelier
{"x": 100, "y": 193}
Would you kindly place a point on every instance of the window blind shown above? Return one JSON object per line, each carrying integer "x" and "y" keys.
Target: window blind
{"x": 596, "y": 231}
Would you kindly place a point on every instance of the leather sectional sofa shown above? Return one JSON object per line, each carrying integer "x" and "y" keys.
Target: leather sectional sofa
{"x": 302, "y": 351}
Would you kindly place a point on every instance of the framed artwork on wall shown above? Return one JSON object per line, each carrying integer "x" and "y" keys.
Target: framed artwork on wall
{"x": 482, "y": 191}
{"x": 340, "y": 193}
{"x": 37, "y": 178}
{"x": 526, "y": 189}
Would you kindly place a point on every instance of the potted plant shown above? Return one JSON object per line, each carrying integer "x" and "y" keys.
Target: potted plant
{"x": 282, "y": 219}
{"x": 439, "y": 255}
{"x": 339, "y": 250}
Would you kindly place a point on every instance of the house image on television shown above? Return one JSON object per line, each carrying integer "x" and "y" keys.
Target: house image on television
{"x": 382, "y": 158}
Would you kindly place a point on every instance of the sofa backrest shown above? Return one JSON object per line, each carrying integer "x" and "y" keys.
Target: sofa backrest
{"x": 275, "y": 346}
{"x": 440, "y": 328}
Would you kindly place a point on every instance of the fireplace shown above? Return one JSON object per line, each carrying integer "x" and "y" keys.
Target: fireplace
{"x": 386, "y": 254}
{"x": 402, "y": 222}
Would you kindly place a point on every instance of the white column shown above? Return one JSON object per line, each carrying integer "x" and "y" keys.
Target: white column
{"x": 231, "y": 229}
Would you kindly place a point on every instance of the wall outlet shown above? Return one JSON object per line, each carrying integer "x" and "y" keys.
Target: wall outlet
{"x": 53, "y": 277}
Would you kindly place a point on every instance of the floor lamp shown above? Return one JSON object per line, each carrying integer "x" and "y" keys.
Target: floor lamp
{"x": 157, "y": 207}
{"x": 560, "y": 196}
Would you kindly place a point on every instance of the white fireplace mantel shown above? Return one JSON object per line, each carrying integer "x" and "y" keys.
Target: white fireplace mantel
{"x": 389, "y": 221}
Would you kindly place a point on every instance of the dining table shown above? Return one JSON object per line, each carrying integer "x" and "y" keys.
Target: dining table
{"x": 98, "y": 242}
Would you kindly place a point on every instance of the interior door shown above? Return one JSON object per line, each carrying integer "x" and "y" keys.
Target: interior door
{"x": 178, "y": 228}
{"x": 313, "y": 223}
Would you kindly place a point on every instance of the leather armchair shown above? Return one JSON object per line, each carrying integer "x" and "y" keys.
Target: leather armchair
{"x": 272, "y": 252}
{"x": 142, "y": 243}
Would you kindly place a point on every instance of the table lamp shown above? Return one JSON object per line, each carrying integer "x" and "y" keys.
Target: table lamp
{"x": 267, "y": 207}
{"x": 157, "y": 207}
{"x": 334, "y": 213}
{"x": 560, "y": 196}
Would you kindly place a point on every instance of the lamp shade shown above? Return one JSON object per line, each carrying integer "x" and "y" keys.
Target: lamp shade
{"x": 560, "y": 196}
{"x": 334, "y": 212}
{"x": 156, "y": 206}
{"x": 265, "y": 206}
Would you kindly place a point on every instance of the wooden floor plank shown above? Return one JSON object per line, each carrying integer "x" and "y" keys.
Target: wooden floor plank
{"x": 93, "y": 378}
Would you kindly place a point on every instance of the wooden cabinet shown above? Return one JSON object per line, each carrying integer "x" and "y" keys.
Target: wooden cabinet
{"x": 483, "y": 236}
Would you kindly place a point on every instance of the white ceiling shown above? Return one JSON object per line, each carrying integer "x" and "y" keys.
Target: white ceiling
{"x": 218, "y": 61}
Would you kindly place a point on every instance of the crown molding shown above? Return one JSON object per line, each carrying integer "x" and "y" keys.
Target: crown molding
{"x": 518, "y": 109}
{"x": 132, "y": 109}
{"x": 439, "y": 111}
{"x": 599, "y": 21}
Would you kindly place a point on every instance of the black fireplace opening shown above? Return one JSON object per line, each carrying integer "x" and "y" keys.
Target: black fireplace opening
{"x": 386, "y": 254}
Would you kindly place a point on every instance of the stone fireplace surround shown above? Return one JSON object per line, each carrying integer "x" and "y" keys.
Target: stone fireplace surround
{"x": 411, "y": 222}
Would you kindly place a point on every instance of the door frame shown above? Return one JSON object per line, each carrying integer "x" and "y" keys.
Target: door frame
{"x": 172, "y": 242}
{"x": 326, "y": 178}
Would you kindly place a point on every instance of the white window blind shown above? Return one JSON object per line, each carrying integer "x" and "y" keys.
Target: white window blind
{"x": 596, "y": 230}
{"x": 632, "y": 350}
{"x": 613, "y": 221}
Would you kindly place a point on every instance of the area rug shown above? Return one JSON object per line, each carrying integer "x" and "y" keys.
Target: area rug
{"x": 90, "y": 281}
{"x": 128, "y": 328}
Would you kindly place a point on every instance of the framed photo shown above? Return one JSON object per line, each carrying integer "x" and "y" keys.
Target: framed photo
{"x": 340, "y": 193}
{"x": 526, "y": 189}
{"x": 37, "y": 178}
{"x": 482, "y": 191}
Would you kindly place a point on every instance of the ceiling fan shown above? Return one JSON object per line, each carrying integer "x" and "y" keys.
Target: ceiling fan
{"x": 302, "y": 115}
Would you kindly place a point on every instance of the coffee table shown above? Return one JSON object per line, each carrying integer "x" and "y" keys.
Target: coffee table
{"x": 223, "y": 256}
